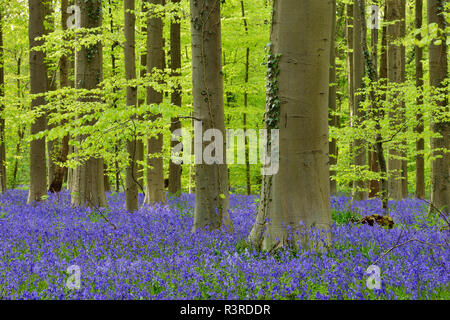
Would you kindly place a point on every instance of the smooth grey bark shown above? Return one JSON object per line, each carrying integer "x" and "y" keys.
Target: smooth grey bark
{"x": 2, "y": 107}
{"x": 38, "y": 85}
{"x": 300, "y": 192}
{"x": 420, "y": 142}
{"x": 155, "y": 60}
{"x": 333, "y": 152}
{"x": 244, "y": 119}
{"x": 175, "y": 65}
{"x": 131, "y": 188}
{"x": 52, "y": 148}
{"x": 88, "y": 180}
{"x": 395, "y": 73}
{"x": 440, "y": 166}
{"x": 211, "y": 180}
{"x": 374, "y": 185}
{"x": 359, "y": 147}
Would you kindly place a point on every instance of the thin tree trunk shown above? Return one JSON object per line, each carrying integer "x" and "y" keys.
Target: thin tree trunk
{"x": 211, "y": 180}
{"x": 2, "y": 107}
{"x": 247, "y": 64}
{"x": 440, "y": 165}
{"x": 140, "y": 143}
{"x": 299, "y": 193}
{"x": 64, "y": 67}
{"x": 21, "y": 130}
{"x": 88, "y": 184}
{"x": 38, "y": 85}
{"x": 115, "y": 99}
{"x": 332, "y": 100}
{"x": 359, "y": 145}
{"x": 155, "y": 60}
{"x": 395, "y": 13}
{"x": 175, "y": 65}
{"x": 420, "y": 143}
{"x": 351, "y": 89}
{"x": 51, "y": 86}
{"x": 131, "y": 191}
{"x": 379, "y": 145}
{"x": 374, "y": 185}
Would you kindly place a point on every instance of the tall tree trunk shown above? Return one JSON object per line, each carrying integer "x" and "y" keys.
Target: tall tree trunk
{"x": 379, "y": 144}
{"x": 395, "y": 15}
{"x": 420, "y": 143}
{"x": 38, "y": 85}
{"x": 333, "y": 152}
{"x": 21, "y": 130}
{"x": 300, "y": 191}
{"x": 2, "y": 107}
{"x": 64, "y": 69}
{"x": 88, "y": 184}
{"x": 359, "y": 145}
{"x": 140, "y": 143}
{"x": 247, "y": 64}
{"x": 51, "y": 86}
{"x": 404, "y": 150}
{"x": 211, "y": 180}
{"x": 131, "y": 191}
{"x": 114, "y": 105}
{"x": 374, "y": 185}
{"x": 351, "y": 89}
{"x": 175, "y": 65}
{"x": 155, "y": 60}
{"x": 440, "y": 167}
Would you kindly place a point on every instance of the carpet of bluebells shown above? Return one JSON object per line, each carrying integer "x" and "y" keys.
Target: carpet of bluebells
{"x": 152, "y": 254}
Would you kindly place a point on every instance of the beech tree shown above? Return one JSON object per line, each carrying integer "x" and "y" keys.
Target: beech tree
{"x": 155, "y": 62}
{"x": 131, "y": 191}
{"x": 2, "y": 107}
{"x": 395, "y": 57}
{"x": 175, "y": 65}
{"x": 211, "y": 180}
{"x": 359, "y": 145}
{"x": 64, "y": 68}
{"x": 298, "y": 78}
{"x": 88, "y": 185}
{"x": 420, "y": 143}
{"x": 38, "y": 87}
{"x": 440, "y": 164}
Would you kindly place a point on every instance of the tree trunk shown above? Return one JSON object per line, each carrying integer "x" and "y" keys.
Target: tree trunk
{"x": 131, "y": 191}
{"x": 211, "y": 180}
{"x": 155, "y": 60}
{"x": 140, "y": 143}
{"x": 88, "y": 184}
{"x": 247, "y": 62}
{"x": 374, "y": 185}
{"x": 299, "y": 193}
{"x": 333, "y": 151}
{"x": 175, "y": 65}
{"x": 395, "y": 13}
{"x": 351, "y": 89}
{"x": 64, "y": 67}
{"x": 51, "y": 86}
{"x": 420, "y": 143}
{"x": 2, "y": 107}
{"x": 440, "y": 167}
{"x": 359, "y": 146}
{"x": 38, "y": 85}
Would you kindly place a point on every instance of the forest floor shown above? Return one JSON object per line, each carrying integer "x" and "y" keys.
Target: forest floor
{"x": 151, "y": 254}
